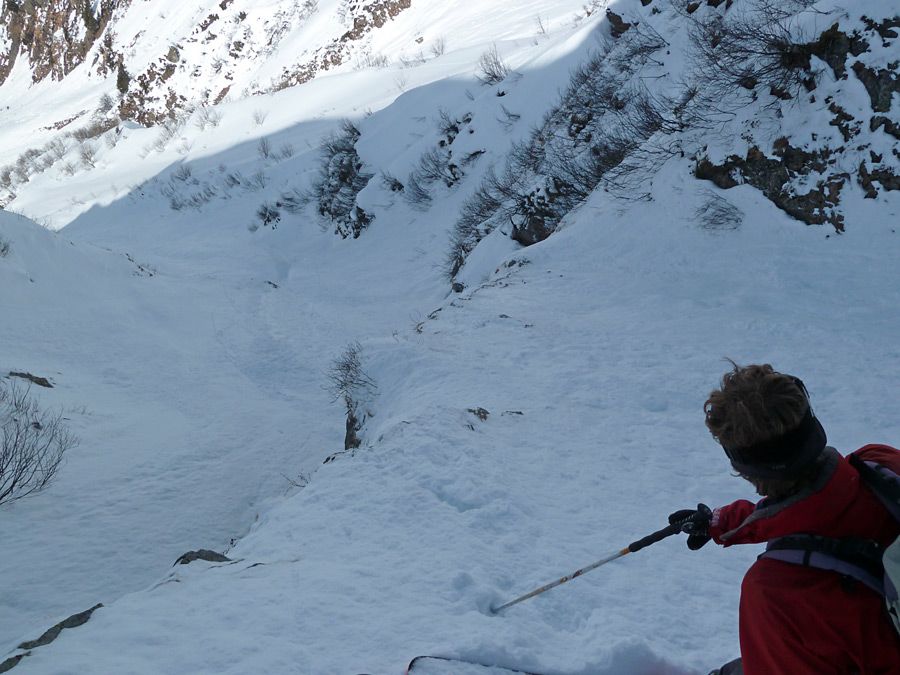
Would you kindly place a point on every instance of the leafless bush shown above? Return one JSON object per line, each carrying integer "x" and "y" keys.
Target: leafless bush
{"x": 412, "y": 61}
{"x": 448, "y": 126}
{"x": 436, "y": 165}
{"x": 182, "y": 173}
{"x": 286, "y": 151}
{"x": 391, "y": 182}
{"x": 603, "y": 131}
{"x": 106, "y": 104}
{"x": 4, "y": 247}
{"x": 233, "y": 179}
{"x": 95, "y": 128}
{"x": 32, "y": 444}
{"x": 294, "y": 201}
{"x": 195, "y": 199}
{"x": 416, "y": 194}
{"x": 718, "y": 214}
{"x": 257, "y": 181}
{"x": 264, "y": 148}
{"x": 374, "y": 61}
{"x": 340, "y": 179}
{"x": 259, "y": 116}
{"x": 68, "y": 169}
{"x": 268, "y": 215}
{"x": 509, "y": 119}
{"x": 207, "y": 116}
{"x": 57, "y": 149}
{"x": 347, "y": 379}
{"x": 438, "y": 47}
{"x": 492, "y": 68}
{"x": 168, "y": 131}
{"x": 88, "y": 154}
{"x": 471, "y": 225}
{"x": 757, "y": 44}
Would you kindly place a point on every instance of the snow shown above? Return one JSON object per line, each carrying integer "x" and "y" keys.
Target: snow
{"x": 194, "y": 371}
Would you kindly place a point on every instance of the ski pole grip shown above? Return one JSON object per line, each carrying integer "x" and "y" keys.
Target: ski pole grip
{"x": 659, "y": 535}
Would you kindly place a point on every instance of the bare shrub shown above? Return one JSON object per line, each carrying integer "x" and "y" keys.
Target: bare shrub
{"x": 348, "y": 381}
{"x": 340, "y": 179}
{"x": 257, "y": 181}
{"x": 68, "y": 169}
{"x": 416, "y": 194}
{"x": 412, "y": 61}
{"x": 346, "y": 376}
{"x": 233, "y": 179}
{"x": 106, "y": 104}
{"x": 509, "y": 119}
{"x": 4, "y": 247}
{"x": 375, "y": 61}
{"x": 182, "y": 173}
{"x": 259, "y": 116}
{"x": 435, "y": 165}
{"x": 492, "y": 68}
{"x": 294, "y": 201}
{"x": 717, "y": 214}
{"x": 196, "y": 199}
{"x": 168, "y": 131}
{"x": 448, "y": 126}
{"x": 599, "y": 133}
{"x": 207, "y": 116}
{"x": 95, "y": 129}
{"x": 757, "y": 44}
{"x": 286, "y": 151}
{"x": 57, "y": 149}
{"x": 88, "y": 154}
{"x": 32, "y": 444}
{"x": 438, "y": 46}
{"x": 391, "y": 182}
{"x": 264, "y": 148}
{"x": 268, "y": 215}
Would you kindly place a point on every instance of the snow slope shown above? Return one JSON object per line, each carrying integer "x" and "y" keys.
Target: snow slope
{"x": 589, "y": 355}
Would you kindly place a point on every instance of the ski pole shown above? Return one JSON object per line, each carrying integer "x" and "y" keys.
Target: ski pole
{"x": 633, "y": 547}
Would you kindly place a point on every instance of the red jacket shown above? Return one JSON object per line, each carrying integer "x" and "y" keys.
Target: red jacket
{"x": 797, "y": 620}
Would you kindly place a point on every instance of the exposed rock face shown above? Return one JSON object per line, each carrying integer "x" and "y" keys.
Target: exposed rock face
{"x": 199, "y": 64}
{"x": 773, "y": 177}
{"x": 54, "y": 36}
{"x": 365, "y": 17}
{"x": 49, "y": 636}
{"x": 201, "y": 554}
{"x": 881, "y": 84}
{"x": 779, "y": 172}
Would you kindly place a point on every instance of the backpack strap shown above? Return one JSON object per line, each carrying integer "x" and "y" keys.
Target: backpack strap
{"x": 858, "y": 559}
{"x": 883, "y": 482}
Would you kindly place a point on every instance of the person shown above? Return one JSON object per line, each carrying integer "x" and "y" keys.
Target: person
{"x": 794, "y": 618}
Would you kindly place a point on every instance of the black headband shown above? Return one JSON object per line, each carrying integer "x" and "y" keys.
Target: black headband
{"x": 785, "y": 456}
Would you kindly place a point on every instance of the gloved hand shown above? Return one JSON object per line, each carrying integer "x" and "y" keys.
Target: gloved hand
{"x": 695, "y": 523}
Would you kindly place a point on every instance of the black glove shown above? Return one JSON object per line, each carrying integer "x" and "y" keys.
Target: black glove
{"x": 695, "y": 523}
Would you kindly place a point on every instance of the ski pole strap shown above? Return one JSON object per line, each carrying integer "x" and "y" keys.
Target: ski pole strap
{"x": 659, "y": 535}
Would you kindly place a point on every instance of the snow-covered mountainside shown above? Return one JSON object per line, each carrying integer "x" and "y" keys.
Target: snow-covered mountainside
{"x": 405, "y": 308}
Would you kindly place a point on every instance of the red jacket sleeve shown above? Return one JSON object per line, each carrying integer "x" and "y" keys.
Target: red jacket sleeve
{"x": 727, "y": 518}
